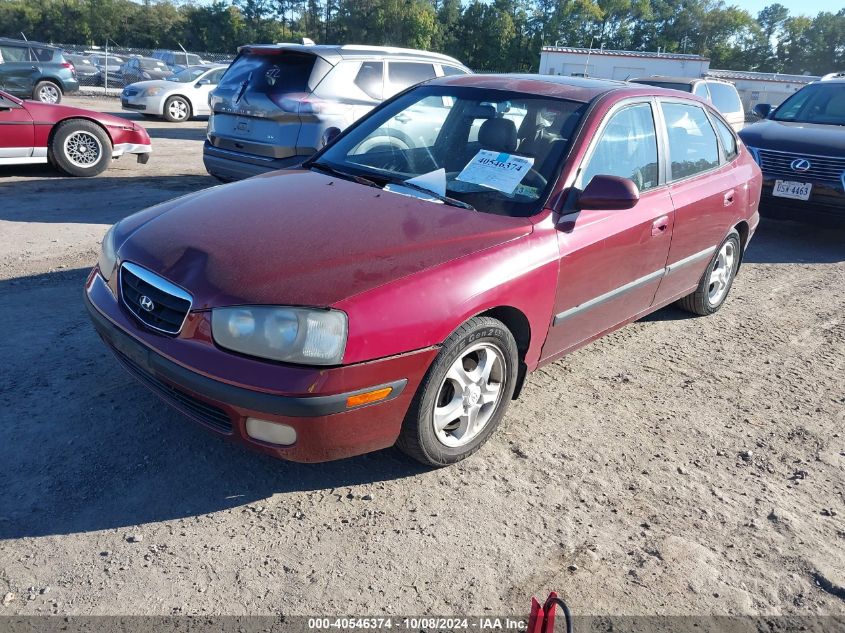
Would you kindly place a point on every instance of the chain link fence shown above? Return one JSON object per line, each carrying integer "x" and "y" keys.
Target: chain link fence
{"x": 111, "y": 68}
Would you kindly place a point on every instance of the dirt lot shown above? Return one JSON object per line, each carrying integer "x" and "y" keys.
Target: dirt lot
{"x": 681, "y": 466}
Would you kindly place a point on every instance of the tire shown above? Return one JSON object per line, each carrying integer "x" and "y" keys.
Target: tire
{"x": 177, "y": 109}
{"x": 47, "y": 92}
{"x": 710, "y": 294}
{"x": 81, "y": 148}
{"x": 448, "y": 437}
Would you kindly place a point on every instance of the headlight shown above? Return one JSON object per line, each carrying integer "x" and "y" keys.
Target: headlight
{"x": 152, "y": 92}
{"x": 108, "y": 257}
{"x": 294, "y": 335}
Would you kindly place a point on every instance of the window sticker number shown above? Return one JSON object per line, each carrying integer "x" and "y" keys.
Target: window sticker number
{"x": 496, "y": 170}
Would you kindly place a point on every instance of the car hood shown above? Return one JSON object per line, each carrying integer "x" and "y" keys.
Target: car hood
{"x": 160, "y": 83}
{"x": 301, "y": 238}
{"x": 800, "y": 138}
{"x": 51, "y": 112}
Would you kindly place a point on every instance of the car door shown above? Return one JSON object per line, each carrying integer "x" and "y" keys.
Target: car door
{"x": 612, "y": 260}
{"x": 202, "y": 88}
{"x": 705, "y": 190}
{"x": 17, "y": 132}
{"x": 18, "y": 73}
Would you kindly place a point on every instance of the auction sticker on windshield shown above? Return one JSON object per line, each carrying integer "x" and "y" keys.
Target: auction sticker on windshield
{"x": 496, "y": 170}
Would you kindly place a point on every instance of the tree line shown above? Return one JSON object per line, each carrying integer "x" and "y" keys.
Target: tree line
{"x": 498, "y": 35}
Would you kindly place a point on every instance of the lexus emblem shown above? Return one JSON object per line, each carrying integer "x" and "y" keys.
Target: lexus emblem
{"x": 800, "y": 164}
{"x": 146, "y": 303}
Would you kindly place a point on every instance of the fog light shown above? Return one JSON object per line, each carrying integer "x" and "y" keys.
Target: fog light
{"x": 271, "y": 432}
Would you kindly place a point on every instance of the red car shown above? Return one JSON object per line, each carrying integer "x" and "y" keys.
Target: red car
{"x": 399, "y": 286}
{"x": 79, "y": 142}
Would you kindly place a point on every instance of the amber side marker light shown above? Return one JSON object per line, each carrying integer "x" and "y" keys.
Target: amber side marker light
{"x": 368, "y": 398}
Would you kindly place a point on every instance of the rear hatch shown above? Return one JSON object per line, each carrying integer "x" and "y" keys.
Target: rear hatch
{"x": 258, "y": 105}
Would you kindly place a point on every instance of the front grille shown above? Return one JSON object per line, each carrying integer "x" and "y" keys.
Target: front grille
{"x": 130, "y": 92}
{"x": 153, "y": 300}
{"x": 200, "y": 411}
{"x": 822, "y": 168}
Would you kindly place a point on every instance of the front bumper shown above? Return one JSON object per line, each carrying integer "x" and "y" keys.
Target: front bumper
{"x": 311, "y": 400}
{"x": 826, "y": 204}
{"x": 231, "y": 165}
{"x": 148, "y": 105}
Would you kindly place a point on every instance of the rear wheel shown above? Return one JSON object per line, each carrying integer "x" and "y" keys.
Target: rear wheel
{"x": 81, "y": 148}
{"x": 47, "y": 92}
{"x": 177, "y": 109}
{"x": 718, "y": 277}
{"x": 463, "y": 396}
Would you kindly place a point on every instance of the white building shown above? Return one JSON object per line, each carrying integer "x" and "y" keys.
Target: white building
{"x": 608, "y": 64}
{"x": 754, "y": 88}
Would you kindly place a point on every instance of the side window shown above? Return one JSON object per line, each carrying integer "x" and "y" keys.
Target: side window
{"x": 725, "y": 97}
{"x": 627, "y": 148}
{"x": 700, "y": 90}
{"x": 215, "y": 77}
{"x": 42, "y": 54}
{"x": 692, "y": 142}
{"x": 729, "y": 149}
{"x": 448, "y": 71}
{"x": 14, "y": 53}
{"x": 404, "y": 74}
{"x": 370, "y": 79}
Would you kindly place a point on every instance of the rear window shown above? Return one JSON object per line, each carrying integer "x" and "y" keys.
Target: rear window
{"x": 272, "y": 75}
{"x": 369, "y": 79}
{"x": 724, "y": 97}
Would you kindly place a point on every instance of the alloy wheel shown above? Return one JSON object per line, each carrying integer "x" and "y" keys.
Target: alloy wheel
{"x": 178, "y": 109}
{"x": 48, "y": 93}
{"x": 83, "y": 149}
{"x": 469, "y": 395}
{"x": 721, "y": 273}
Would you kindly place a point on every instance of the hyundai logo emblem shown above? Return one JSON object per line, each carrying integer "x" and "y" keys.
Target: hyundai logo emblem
{"x": 146, "y": 303}
{"x": 800, "y": 164}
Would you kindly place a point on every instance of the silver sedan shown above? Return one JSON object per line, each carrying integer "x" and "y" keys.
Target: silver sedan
{"x": 177, "y": 98}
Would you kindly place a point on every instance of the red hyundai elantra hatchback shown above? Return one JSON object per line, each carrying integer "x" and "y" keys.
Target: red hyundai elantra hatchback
{"x": 398, "y": 287}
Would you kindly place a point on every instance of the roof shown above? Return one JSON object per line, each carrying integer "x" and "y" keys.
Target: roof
{"x": 756, "y": 76}
{"x": 335, "y": 53}
{"x": 573, "y": 88}
{"x": 614, "y": 53}
{"x": 30, "y": 42}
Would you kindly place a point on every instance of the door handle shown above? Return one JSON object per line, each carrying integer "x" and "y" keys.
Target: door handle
{"x": 729, "y": 198}
{"x": 659, "y": 226}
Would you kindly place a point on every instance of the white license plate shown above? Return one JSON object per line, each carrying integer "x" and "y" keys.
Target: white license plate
{"x": 792, "y": 189}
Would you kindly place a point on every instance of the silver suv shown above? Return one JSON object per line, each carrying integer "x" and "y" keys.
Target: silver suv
{"x": 274, "y": 103}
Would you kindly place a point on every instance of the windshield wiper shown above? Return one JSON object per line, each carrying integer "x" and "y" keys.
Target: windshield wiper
{"x": 454, "y": 202}
{"x": 325, "y": 167}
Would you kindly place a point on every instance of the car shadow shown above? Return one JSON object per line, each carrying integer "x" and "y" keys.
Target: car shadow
{"x": 52, "y": 197}
{"x": 785, "y": 242}
{"x": 174, "y": 132}
{"x": 85, "y": 447}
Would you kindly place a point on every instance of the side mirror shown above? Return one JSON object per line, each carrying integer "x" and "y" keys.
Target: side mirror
{"x": 762, "y": 110}
{"x": 609, "y": 193}
{"x": 329, "y": 135}
{"x": 202, "y": 82}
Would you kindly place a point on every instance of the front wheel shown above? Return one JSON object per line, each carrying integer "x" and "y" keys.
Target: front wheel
{"x": 464, "y": 394}
{"x": 177, "y": 109}
{"x": 81, "y": 148}
{"x": 718, "y": 277}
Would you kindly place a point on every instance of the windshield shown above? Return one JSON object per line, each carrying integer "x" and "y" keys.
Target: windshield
{"x": 187, "y": 75}
{"x": 152, "y": 64}
{"x": 495, "y": 150}
{"x": 817, "y": 103}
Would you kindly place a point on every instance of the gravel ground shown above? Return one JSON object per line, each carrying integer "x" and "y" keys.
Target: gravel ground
{"x": 679, "y": 466}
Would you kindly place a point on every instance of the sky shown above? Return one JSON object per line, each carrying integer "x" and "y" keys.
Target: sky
{"x": 796, "y": 7}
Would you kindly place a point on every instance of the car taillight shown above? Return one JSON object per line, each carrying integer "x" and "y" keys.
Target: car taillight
{"x": 307, "y": 105}
{"x": 70, "y": 67}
